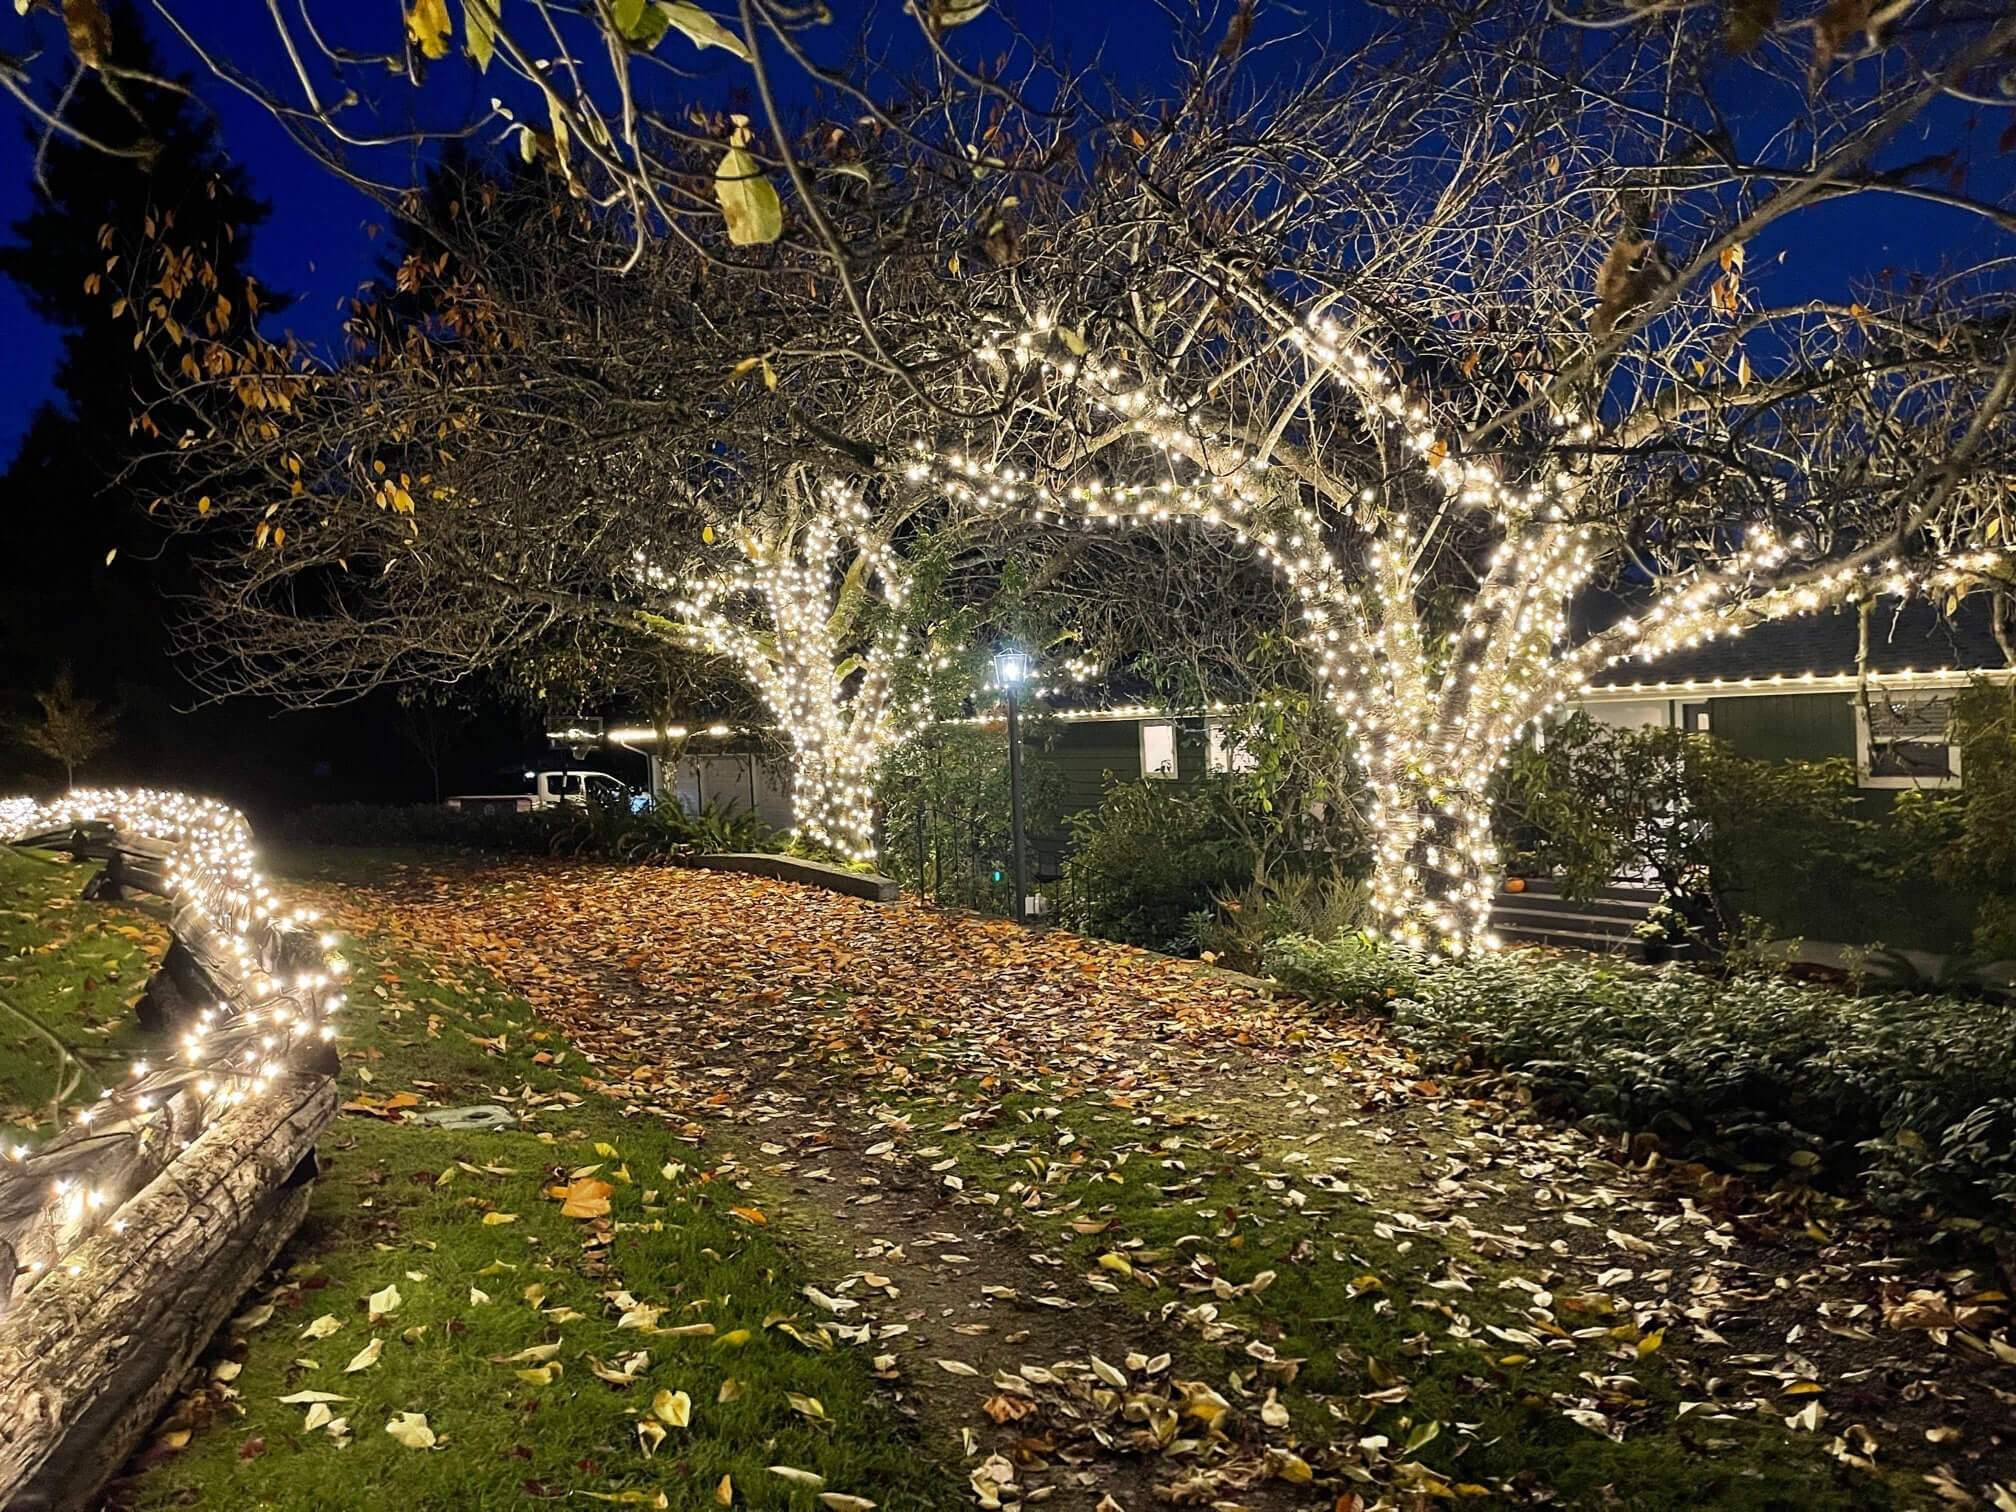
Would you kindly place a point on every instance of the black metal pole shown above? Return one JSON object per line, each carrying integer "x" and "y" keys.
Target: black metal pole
{"x": 1018, "y": 912}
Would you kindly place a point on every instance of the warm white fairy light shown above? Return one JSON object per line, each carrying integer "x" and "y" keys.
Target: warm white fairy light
{"x": 230, "y": 917}
{"x": 773, "y": 613}
{"x": 1430, "y": 738}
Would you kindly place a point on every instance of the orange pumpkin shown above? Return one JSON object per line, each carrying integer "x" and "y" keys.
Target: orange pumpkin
{"x": 1515, "y": 884}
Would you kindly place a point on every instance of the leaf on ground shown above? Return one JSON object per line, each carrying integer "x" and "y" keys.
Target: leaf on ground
{"x": 584, "y": 1198}
{"x": 410, "y": 1429}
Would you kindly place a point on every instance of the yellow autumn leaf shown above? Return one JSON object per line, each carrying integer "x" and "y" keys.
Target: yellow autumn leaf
{"x": 586, "y": 1198}
{"x": 673, "y": 1407}
{"x": 479, "y": 26}
{"x": 410, "y": 1429}
{"x": 749, "y": 203}
{"x": 724, "y": 1491}
{"x": 428, "y": 25}
{"x": 491, "y": 1220}
{"x": 702, "y": 29}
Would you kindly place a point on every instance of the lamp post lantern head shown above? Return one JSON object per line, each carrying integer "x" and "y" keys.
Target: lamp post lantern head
{"x": 1011, "y": 668}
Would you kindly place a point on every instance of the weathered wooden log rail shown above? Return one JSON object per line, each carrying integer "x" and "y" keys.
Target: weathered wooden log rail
{"x": 126, "y": 1239}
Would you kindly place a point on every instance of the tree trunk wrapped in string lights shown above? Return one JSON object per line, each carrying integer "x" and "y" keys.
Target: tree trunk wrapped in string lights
{"x": 810, "y": 615}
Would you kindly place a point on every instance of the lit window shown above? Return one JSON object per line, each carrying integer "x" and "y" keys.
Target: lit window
{"x": 1906, "y": 742}
{"x": 1224, "y": 751}
{"x": 1158, "y": 748}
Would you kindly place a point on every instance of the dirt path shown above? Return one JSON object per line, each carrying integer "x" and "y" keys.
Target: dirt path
{"x": 951, "y": 1116}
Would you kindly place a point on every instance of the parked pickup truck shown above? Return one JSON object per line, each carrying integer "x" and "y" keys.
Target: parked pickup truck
{"x": 545, "y": 790}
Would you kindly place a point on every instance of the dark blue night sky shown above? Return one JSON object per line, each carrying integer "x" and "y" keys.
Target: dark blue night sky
{"x": 317, "y": 244}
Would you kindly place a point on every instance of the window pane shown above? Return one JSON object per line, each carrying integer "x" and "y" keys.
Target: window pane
{"x": 1923, "y": 759}
{"x": 1158, "y": 750}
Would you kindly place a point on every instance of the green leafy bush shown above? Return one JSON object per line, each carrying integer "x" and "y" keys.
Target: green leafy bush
{"x": 945, "y": 811}
{"x": 566, "y": 830}
{"x": 1914, "y": 1094}
{"x": 1319, "y": 907}
{"x": 1968, "y": 839}
{"x": 1719, "y": 834}
{"x": 1150, "y": 862}
{"x": 1352, "y": 969}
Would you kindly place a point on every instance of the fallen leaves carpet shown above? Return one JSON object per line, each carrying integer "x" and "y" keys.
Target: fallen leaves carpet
{"x": 1125, "y": 1232}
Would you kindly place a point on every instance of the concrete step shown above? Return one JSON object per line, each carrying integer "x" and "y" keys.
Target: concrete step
{"x": 1541, "y": 906}
{"x": 1503, "y": 918}
{"x": 1571, "y": 939}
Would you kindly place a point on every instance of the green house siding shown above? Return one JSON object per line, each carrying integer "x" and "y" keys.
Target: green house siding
{"x": 1080, "y": 754}
{"x": 1792, "y": 726}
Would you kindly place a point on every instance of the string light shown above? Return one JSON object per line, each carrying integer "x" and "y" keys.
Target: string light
{"x": 1429, "y": 738}
{"x": 240, "y": 928}
{"x": 773, "y": 614}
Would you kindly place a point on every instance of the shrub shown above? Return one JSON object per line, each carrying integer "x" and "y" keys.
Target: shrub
{"x": 945, "y": 814}
{"x": 1715, "y": 831}
{"x": 1914, "y": 1094}
{"x": 1353, "y": 969}
{"x": 1318, "y": 907}
{"x": 1150, "y": 862}
{"x": 1968, "y": 839}
{"x": 569, "y": 830}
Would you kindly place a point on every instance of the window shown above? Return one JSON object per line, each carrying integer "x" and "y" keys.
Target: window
{"x": 1903, "y": 742}
{"x": 1158, "y": 748}
{"x": 1224, "y": 751}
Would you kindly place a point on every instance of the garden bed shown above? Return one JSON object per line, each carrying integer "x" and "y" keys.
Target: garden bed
{"x": 1913, "y": 1096}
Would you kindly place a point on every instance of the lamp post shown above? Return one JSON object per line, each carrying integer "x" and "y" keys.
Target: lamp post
{"x": 1011, "y": 670}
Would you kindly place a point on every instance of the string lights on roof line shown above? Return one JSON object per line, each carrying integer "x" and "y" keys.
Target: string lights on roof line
{"x": 226, "y": 912}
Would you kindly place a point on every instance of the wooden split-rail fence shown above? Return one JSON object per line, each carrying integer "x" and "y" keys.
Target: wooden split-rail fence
{"x": 126, "y": 1242}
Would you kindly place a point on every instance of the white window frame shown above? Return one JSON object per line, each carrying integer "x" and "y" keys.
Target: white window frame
{"x": 1225, "y": 753}
{"x": 1155, "y": 771}
{"x": 1865, "y": 753}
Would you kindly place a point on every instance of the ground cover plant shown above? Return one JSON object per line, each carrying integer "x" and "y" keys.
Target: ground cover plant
{"x": 1912, "y": 1093}
{"x": 1167, "y": 1239}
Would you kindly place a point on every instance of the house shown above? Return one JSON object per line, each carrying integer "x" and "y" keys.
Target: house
{"x": 1792, "y": 689}
{"x": 1787, "y": 690}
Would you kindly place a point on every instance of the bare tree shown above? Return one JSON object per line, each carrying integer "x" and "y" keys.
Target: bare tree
{"x": 522, "y": 448}
{"x": 1446, "y": 335}
{"x": 71, "y": 729}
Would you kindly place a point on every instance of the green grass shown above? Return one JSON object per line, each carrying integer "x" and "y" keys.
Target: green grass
{"x": 74, "y": 969}
{"x": 402, "y": 1204}
{"x": 1186, "y": 1195}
